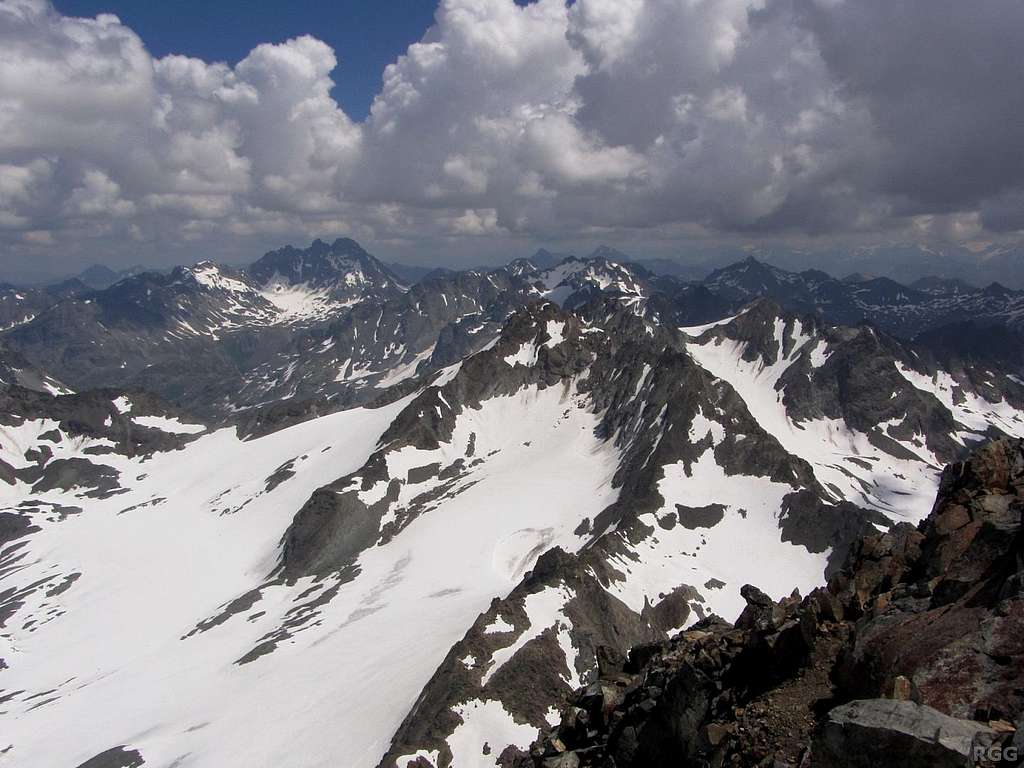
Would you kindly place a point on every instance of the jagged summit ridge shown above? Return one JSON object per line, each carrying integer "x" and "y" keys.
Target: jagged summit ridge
{"x": 906, "y": 657}
{"x": 323, "y": 279}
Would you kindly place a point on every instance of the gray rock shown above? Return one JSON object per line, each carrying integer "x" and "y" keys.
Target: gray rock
{"x": 877, "y": 732}
{"x": 117, "y": 757}
{"x": 565, "y": 760}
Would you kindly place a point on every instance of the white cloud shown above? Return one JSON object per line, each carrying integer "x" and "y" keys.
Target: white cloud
{"x": 544, "y": 121}
{"x": 98, "y": 195}
{"x": 22, "y": 189}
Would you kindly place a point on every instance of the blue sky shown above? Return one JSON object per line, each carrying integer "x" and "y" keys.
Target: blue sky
{"x": 366, "y": 34}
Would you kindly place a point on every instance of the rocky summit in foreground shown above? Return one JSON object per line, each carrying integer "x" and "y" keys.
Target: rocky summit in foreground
{"x": 911, "y": 656}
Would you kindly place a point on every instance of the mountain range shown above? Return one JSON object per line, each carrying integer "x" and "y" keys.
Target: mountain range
{"x": 315, "y": 512}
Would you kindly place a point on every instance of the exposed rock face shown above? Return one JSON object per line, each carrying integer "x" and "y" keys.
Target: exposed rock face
{"x": 122, "y": 418}
{"x": 341, "y": 272}
{"x": 167, "y": 333}
{"x": 118, "y": 757}
{"x": 944, "y": 607}
{"x": 910, "y": 656}
{"x": 594, "y": 623}
{"x": 865, "y": 734}
{"x": 20, "y": 305}
{"x": 16, "y": 370}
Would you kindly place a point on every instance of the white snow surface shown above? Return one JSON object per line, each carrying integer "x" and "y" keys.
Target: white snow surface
{"x": 973, "y": 412}
{"x": 488, "y": 717}
{"x": 302, "y": 301}
{"x": 843, "y": 460}
{"x": 746, "y": 547}
{"x": 110, "y": 653}
{"x": 211, "y": 276}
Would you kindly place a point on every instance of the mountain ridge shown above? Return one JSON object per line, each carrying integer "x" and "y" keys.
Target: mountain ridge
{"x": 520, "y": 472}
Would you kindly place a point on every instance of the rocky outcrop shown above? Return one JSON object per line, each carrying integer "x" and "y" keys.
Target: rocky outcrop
{"x": 94, "y": 415}
{"x": 65, "y": 438}
{"x": 910, "y": 656}
{"x": 713, "y": 692}
{"x": 943, "y": 607}
{"x": 865, "y": 734}
{"x": 343, "y": 270}
{"x": 118, "y": 757}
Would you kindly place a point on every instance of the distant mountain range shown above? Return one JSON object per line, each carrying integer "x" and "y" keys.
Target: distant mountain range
{"x": 903, "y": 262}
{"x": 332, "y": 321}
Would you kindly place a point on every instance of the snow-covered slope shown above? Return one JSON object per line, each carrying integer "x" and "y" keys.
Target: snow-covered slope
{"x": 97, "y": 622}
{"x": 195, "y": 529}
{"x": 393, "y": 585}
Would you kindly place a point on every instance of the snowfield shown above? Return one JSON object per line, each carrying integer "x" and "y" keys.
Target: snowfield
{"x": 104, "y": 663}
{"x": 149, "y": 610}
{"x": 124, "y": 667}
{"x": 744, "y": 547}
{"x": 844, "y": 460}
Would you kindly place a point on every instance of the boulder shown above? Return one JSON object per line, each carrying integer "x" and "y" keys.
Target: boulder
{"x": 880, "y": 732}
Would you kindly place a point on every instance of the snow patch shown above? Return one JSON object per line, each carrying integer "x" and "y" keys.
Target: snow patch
{"x": 484, "y": 722}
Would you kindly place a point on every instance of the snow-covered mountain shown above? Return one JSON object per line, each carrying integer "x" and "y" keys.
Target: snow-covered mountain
{"x": 314, "y": 283}
{"x": 327, "y": 322}
{"x": 435, "y": 511}
{"x": 574, "y": 281}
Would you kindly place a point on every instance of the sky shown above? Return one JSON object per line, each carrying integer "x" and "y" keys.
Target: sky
{"x": 471, "y": 131}
{"x": 366, "y": 35}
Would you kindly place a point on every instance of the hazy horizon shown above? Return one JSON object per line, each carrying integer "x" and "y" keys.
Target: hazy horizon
{"x": 863, "y": 261}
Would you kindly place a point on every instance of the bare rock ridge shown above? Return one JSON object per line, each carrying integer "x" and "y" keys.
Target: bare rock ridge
{"x": 910, "y": 656}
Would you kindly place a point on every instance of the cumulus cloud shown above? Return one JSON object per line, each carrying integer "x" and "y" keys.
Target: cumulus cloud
{"x": 724, "y": 118}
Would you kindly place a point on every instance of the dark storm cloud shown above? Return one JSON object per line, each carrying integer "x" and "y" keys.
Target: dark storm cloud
{"x": 942, "y": 82}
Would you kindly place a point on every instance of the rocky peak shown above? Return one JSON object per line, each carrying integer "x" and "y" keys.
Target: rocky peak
{"x": 575, "y": 281}
{"x": 525, "y": 268}
{"x": 316, "y": 283}
{"x": 997, "y": 290}
{"x": 211, "y": 277}
{"x": 341, "y": 265}
{"x": 766, "y": 331}
{"x": 749, "y": 277}
{"x": 545, "y": 259}
{"x": 910, "y": 656}
{"x": 607, "y": 253}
